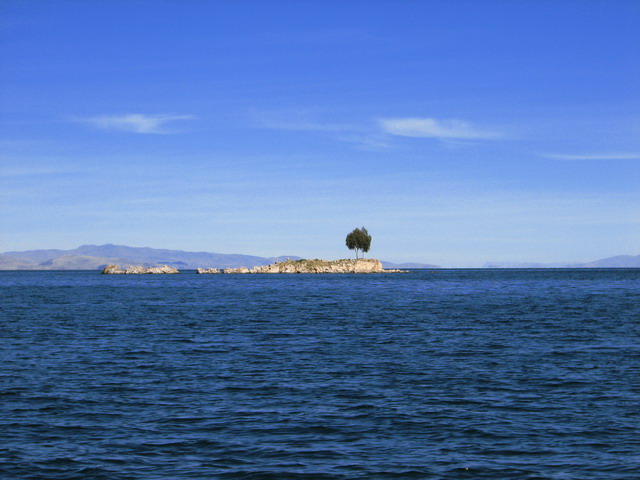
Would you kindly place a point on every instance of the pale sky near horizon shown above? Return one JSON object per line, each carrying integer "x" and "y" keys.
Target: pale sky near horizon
{"x": 457, "y": 132}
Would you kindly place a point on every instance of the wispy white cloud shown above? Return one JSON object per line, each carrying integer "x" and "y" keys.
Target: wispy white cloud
{"x": 136, "y": 122}
{"x": 593, "y": 156}
{"x": 362, "y": 137}
{"x": 376, "y": 134}
{"x": 445, "y": 129}
{"x": 364, "y": 141}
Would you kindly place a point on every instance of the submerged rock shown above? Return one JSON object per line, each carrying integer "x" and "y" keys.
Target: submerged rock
{"x": 114, "y": 270}
{"x": 363, "y": 265}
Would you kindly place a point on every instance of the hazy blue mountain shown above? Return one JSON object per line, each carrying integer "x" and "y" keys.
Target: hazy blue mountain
{"x": 79, "y": 262}
{"x": 620, "y": 261}
{"x": 90, "y": 257}
{"x": 408, "y": 265}
{"x": 37, "y": 256}
{"x": 14, "y": 263}
{"x": 527, "y": 265}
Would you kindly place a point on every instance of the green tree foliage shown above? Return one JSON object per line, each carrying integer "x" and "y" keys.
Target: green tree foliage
{"x": 359, "y": 240}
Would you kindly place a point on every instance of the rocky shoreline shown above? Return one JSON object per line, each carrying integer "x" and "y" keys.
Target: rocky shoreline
{"x": 139, "y": 270}
{"x": 362, "y": 265}
{"x": 368, "y": 265}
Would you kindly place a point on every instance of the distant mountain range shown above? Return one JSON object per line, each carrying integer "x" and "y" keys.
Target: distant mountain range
{"x": 407, "y": 265}
{"x": 94, "y": 257}
{"x": 619, "y": 261}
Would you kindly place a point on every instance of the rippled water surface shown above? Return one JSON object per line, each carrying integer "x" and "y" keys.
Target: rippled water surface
{"x": 447, "y": 374}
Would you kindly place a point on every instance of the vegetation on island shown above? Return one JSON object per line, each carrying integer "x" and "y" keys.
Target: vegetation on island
{"x": 359, "y": 240}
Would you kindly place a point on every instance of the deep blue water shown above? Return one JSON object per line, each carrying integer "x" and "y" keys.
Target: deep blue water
{"x": 451, "y": 374}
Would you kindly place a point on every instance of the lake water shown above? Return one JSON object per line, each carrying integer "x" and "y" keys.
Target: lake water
{"x": 444, "y": 374}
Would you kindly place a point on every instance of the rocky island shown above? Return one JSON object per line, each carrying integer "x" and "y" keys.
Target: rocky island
{"x": 139, "y": 270}
{"x": 362, "y": 265}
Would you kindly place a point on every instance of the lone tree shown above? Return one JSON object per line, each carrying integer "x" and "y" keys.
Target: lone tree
{"x": 359, "y": 239}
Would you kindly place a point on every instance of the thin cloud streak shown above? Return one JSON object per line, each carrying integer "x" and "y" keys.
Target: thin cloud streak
{"x": 297, "y": 120}
{"x": 136, "y": 122}
{"x": 377, "y": 135}
{"x": 309, "y": 126}
{"x": 362, "y": 137}
{"x": 434, "y": 128}
{"x": 594, "y": 156}
{"x": 31, "y": 171}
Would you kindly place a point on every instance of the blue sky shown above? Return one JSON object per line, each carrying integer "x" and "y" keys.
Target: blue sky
{"x": 457, "y": 132}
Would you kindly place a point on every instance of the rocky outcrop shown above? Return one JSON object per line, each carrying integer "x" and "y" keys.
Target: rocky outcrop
{"x": 208, "y": 270}
{"x": 362, "y": 265}
{"x": 242, "y": 270}
{"x": 114, "y": 270}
